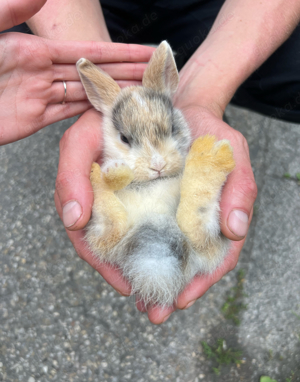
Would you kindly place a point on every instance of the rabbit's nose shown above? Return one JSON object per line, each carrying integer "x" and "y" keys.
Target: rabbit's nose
{"x": 158, "y": 169}
{"x": 157, "y": 163}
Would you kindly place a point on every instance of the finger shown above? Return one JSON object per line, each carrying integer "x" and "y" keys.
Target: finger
{"x": 74, "y": 93}
{"x": 15, "y": 12}
{"x": 58, "y": 112}
{"x": 80, "y": 146}
{"x": 68, "y": 52}
{"x": 123, "y": 71}
{"x": 140, "y": 305}
{"x": 201, "y": 283}
{"x": 239, "y": 194}
{"x": 123, "y": 84}
{"x": 52, "y": 114}
{"x": 111, "y": 275}
{"x": 158, "y": 315}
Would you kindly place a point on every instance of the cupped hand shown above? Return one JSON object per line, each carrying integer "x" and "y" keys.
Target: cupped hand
{"x": 32, "y": 70}
{"x": 237, "y": 200}
{"x": 80, "y": 146}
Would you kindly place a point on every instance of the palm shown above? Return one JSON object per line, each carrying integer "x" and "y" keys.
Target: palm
{"x": 32, "y": 70}
{"x": 26, "y": 87}
{"x": 25, "y": 90}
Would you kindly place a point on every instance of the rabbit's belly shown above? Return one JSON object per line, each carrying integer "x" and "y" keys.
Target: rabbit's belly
{"x": 158, "y": 197}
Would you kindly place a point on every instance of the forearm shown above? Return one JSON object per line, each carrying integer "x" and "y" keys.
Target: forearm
{"x": 79, "y": 20}
{"x": 243, "y": 36}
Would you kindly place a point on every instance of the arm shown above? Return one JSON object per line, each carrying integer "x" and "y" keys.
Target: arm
{"x": 70, "y": 20}
{"x": 26, "y": 105}
{"x": 15, "y": 12}
{"x": 243, "y": 36}
{"x": 82, "y": 20}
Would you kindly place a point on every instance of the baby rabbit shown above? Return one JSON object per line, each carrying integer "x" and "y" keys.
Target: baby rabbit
{"x": 156, "y": 200}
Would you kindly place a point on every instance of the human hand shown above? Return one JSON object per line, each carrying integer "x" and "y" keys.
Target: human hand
{"x": 32, "y": 70}
{"x": 80, "y": 146}
{"x": 15, "y": 12}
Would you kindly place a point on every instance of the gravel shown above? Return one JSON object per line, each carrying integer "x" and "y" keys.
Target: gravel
{"x": 60, "y": 321}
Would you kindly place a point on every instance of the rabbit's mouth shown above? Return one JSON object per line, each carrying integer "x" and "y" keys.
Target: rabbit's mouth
{"x": 154, "y": 173}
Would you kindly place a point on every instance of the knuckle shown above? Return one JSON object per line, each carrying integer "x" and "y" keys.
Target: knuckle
{"x": 231, "y": 263}
{"x": 96, "y": 50}
{"x": 247, "y": 186}
{"x": 80, "y": 255}
{"x": 241, "y": 141}
{"x": 245, "y": 145}
{"x": 67, "y": 137}
{"x": 80, "y": 136}
{"x": 65, "y": 179}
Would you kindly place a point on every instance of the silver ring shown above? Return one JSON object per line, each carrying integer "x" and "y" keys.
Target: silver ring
{"x": 65, "y": 96}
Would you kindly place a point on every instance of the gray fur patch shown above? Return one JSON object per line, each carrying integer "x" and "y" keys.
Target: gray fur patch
{"x": 149, "y": 237}
{"x": 131, "y": 123}
{"x": 153, "y": 260}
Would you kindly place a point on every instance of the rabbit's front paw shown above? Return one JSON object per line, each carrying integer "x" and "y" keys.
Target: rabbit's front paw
{"x": 116, "y": 174}
{"x": 95, "y": 174}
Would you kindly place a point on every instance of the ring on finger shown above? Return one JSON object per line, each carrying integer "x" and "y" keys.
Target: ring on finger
{"x": 65, "y": 96}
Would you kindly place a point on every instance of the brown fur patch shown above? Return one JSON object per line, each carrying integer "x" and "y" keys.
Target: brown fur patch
{"x": 100, "y": 88}
{"x": 161, "y": 73}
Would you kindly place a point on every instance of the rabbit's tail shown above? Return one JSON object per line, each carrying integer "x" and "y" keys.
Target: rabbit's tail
{"x": 156, "y": 254}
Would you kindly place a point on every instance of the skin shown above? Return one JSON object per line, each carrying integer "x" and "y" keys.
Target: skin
{"x": 243, "y": 36}
{"x": 32, "y": 70}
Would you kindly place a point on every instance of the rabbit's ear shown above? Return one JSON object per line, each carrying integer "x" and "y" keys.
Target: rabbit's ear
{"x": 100, "y": 88}
{"x": 161, "y": 73}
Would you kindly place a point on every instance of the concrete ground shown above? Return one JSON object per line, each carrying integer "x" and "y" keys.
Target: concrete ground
{"x": 59, "y": 321}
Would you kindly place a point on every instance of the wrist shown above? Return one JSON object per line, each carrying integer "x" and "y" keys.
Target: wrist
{"x": 235, "y": 47}
{"x": 213, "y": 74}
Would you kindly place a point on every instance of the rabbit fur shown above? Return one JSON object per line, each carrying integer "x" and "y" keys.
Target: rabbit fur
{"x": 156, "y": 197}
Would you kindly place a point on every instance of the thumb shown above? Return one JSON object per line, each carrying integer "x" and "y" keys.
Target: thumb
{"x": 238, "y": 195}
{"x": 15, "y": 12}
{"x": 79, "y": 147}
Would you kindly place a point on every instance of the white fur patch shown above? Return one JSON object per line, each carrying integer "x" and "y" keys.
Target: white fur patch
{"x": 157, "y": 162}
{"x": 140, "y": 101}
{"x": 212, "y": 223}
{"x": 154, "y": 274}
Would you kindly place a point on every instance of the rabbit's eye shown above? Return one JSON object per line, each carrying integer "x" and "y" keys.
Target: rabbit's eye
{"x": 124, "y": 139}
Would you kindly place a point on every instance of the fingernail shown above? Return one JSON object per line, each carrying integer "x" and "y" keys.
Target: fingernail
{"x": 189, "y": 304}
{"x": 238, "y": 223}
{"x": 165, "y": 319}
{"x": 71, "y": 213}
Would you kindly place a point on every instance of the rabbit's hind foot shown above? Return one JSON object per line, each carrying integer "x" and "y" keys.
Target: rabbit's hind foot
{"x": 208, "y": 154}
{"x": 207, "y": 165}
